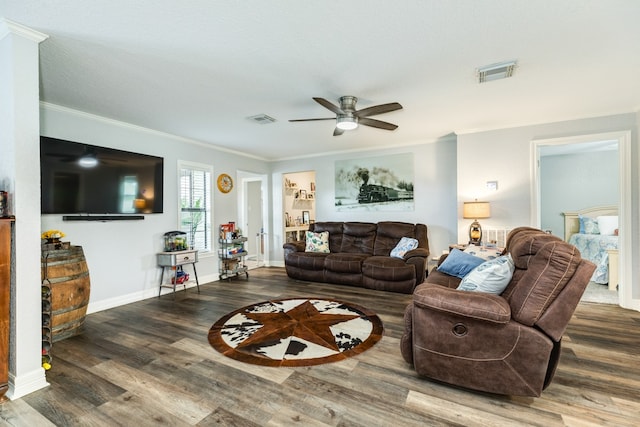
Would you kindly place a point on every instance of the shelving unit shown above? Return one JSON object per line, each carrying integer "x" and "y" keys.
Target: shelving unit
{"x": 47, "y": 337}
{"x": 231, "y": 256}
{"x": 296, "y": 232}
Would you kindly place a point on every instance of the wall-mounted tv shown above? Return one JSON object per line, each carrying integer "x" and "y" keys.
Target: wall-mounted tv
{"x": 80, "y": 178}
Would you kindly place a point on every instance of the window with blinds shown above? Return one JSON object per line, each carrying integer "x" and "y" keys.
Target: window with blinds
{"x": 195, "y": 204}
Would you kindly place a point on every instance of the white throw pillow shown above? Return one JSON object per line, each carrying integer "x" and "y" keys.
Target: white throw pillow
{"x": 405, "y": 245}
{"x": 491, "y": 276}
{"x": 608, "y": 225}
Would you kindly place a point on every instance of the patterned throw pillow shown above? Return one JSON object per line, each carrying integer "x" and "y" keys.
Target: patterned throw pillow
{"x": 404, "y": 245}
{"x": 317, "y": 242}
{"x": 588, "y": 225}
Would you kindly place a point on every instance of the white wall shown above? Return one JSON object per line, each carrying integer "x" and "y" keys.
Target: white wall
{"x": 434, "y": 195}
{"x": 505, "y": 155}
{"x": 121, "y": 255}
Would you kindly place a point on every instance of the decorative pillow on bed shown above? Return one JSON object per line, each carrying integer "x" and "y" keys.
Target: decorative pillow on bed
{"x": 404, "y": 245}
{"x": 459, "y": 264}
{"x": 588, "y": 225}
{"x": 608, "y": 225}
{"x": 317, "y": 242}
{"x": 491, "y": 276}
{"x": 484, "y": 252}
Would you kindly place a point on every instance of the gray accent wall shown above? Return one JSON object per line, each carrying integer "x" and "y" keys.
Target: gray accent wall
{"x": 571, "y": 182}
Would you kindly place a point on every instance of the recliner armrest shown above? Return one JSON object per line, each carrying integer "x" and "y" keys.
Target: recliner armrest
{"x": 419, "y": 252}
{"x": 476, "y": 305}
{"x": 295, "y": 246}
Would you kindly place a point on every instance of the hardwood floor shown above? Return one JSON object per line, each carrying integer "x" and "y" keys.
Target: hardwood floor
{"x": 149, "y": 363}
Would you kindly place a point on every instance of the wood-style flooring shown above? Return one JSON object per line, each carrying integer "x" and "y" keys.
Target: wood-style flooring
{"x": 149, "y": 364}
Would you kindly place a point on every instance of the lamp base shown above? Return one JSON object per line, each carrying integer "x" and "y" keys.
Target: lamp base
{"x": 475, "y": 233}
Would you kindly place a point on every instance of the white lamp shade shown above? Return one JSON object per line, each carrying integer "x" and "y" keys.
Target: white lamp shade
{"x": 476, "y": 210}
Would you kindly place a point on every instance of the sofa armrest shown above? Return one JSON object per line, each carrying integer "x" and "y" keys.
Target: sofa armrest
{"x": 419, "y": 252}
{"x": 295, "y": 246}
{"x": 291, "y": 247}
{"x": 475, "y": 305}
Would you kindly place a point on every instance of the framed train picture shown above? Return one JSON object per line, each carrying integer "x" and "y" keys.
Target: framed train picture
{"x": 375, "y": 183}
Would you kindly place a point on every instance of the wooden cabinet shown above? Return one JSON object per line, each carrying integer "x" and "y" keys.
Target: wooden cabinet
{"x": 6, "y": 226}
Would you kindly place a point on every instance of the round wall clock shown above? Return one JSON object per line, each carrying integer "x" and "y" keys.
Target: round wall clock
{"x": 225, "y": 183}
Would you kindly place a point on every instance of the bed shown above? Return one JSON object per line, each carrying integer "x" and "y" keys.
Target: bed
{"x": 601, "y": 249}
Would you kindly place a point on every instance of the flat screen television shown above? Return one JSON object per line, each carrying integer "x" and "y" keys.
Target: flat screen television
{"x": 80, "y": 178}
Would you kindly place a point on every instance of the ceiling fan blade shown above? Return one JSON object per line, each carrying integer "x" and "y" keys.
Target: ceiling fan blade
{"x": 311, "y": 120}
{"x": 377, "y": 123}
{"x": 337, "y": 132}
{"x": 328, "y": 105}
{"x": 378, "y": 109}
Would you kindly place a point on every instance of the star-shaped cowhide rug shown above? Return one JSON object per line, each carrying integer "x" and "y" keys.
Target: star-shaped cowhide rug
{"x": 296, "y": 332}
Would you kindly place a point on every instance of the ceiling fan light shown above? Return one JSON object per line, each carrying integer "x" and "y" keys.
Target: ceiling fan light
{"x": 346, "y": 122}
{"x": 88, "y": 161}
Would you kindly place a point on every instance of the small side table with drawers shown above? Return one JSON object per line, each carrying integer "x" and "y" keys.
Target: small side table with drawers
{"x": 176, "y": 260}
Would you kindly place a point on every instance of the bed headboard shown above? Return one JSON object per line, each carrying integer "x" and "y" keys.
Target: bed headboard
{"x": 572, "y": 219}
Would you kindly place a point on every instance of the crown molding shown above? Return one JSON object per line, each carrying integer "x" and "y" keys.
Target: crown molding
{"x": 9, "y": 27}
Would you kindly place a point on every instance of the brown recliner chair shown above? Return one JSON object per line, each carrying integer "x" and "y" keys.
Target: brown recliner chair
{"x": 505, "y": 344}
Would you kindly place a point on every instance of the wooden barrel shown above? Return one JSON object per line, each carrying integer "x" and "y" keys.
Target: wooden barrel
{"x": 67, "y": 272}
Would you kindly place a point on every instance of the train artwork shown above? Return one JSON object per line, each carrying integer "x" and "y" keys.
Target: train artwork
{"x": 371, "y": 193}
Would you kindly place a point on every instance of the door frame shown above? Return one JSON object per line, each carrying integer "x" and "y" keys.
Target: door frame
{"x": 243, "y": 178}
{"x": 624, "y": 210}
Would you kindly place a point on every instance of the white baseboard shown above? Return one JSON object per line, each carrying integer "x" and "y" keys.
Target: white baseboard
{"x": 24, "y": 384}
{"x": 97, "y": 306}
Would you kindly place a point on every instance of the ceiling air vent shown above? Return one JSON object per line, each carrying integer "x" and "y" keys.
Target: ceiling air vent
{"x": 263, "y": 119}
{"x": 498, "y": 71}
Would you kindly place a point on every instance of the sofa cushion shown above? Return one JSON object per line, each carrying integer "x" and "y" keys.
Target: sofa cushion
{"x": 388, "y": 269}
{"x": 389, "y": 233}
{"x": 344, "y": 263}
{"x": 459, "y": 264}
{"x": 335, "y": 233}
{"x": 306, "y": 260}
{"x": 317, "y": 242}
{"x": 404, "y": 245}
{"x": 358, "y": 237}
{"x": 491, "y": 276}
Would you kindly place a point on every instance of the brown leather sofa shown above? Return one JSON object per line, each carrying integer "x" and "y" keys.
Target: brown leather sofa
{"x": 505, "y": 344}
{"x": 360, "y": 256}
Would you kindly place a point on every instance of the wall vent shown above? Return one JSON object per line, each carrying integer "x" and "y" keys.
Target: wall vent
{"x": 501, "y": 70}
{"x": 263, "y": 119}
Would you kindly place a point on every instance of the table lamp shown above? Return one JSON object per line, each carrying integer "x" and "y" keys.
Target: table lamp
{"x": 476, "y": 210}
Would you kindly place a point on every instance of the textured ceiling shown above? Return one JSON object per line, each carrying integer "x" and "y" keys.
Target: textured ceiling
{"x": 199, "y": 68}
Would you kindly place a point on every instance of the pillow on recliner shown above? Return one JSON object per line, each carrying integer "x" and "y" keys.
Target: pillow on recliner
{"x": 317, "y": 242}
{"x": 405, "y": 245}
{"x": 491, "y": 276}
{"x": 459, "y": 264}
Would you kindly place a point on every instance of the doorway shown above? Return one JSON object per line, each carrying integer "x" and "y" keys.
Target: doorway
{"x": 253, "y": 212}
{"x": 622, "y": 141}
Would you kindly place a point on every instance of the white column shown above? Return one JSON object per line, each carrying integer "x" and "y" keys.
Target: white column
{"x": 19, "y": 175}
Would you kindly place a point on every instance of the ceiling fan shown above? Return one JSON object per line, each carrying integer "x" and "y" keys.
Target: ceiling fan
{"x": 348, "y": 118}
